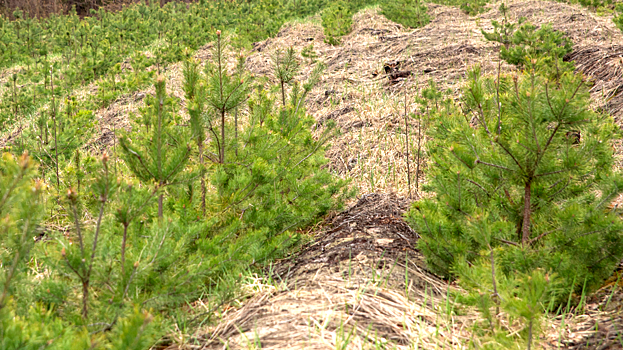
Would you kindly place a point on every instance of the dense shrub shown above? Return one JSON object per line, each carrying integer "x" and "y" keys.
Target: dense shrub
{"x": 336, "y": 21}
{"x": 409, "y": 13}
{"x": 524, "y": 167}
{"x": 523, "y": 42}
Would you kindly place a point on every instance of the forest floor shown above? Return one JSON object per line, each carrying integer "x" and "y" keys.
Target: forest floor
{"x": 360, "y": 283}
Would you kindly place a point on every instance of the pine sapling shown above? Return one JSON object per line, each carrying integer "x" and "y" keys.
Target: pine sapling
{"x": 81, "y": 262}
{"x": 161, "y": 156}
{"x": 132, "y": 204}
{"x": 225, "y": 91}
{"x": 285, "y": 68}
{"x": 512, "y": 163}
{"x": 195, "y": 102}
{"x": 20, "y": 213}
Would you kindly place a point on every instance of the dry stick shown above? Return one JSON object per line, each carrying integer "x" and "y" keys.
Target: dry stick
{"x": 407, "y": 140}
{"x": 419, "y": 147}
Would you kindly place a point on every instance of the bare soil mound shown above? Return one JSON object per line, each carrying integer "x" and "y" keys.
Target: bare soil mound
{"x": 360, "y": 283}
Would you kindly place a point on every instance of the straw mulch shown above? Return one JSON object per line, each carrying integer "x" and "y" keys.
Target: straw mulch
{"x": 380, "y": 63}
{"x": 604, "y": 66}
{"x": 369, "y": 76}
{"x": 595, "y": 324}
{"x": 359, "y": 283}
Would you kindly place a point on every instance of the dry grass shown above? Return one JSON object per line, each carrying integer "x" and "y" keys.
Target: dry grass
{"x": 359, "y": 285}
{"x": 356, "y": 275}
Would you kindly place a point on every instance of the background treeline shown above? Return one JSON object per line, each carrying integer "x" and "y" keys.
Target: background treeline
{"x": 44, "y": 8}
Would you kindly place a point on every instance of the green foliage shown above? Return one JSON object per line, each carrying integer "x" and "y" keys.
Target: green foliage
{"x": 597, "y": 4}
{"x": 37, "y": 330}
{"x": 271, "y": 184}
{"x": 160, "y": 154}
{"x": 274, "y": 185}
{"x": 285, "y": 67}
{"x": 618, "y": 19}
{"x": 409, "y": 13}
{"x": 225, "y": 91}
{"x": 94, "y": 49}
{"x": 523, "y": 297}
{"x": 524, "y": 167}
{"x": 470, "y": 7}
{"x": 337, "y": 20}
{"x": 135, "y": 332}
{"x": 20, "y": 213}
{"x": 309, "y": 53}
{"x": 522, "y": 43}
{"x": 106, "y": 254}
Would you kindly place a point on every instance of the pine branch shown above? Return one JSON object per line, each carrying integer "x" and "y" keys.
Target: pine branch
{"x": 533, "y": 240}
{"x": 478, "y": 161}
{"x": 479, "y": 186}
{"x": 510, "y": 154}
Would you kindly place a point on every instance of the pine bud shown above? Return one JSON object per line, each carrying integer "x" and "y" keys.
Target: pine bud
{"x": 136, "y": 264}
{"x": 218, "y": 32}
{"x": 72, "y": 195}
{"x": 104, "y": 158}
{"x": 63, "y": 252}
{"x": 24, "y": 161}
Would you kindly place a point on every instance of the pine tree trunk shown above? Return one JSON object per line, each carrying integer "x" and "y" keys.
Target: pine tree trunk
{"x": 526, "y": 214}
{"x": 203, "y": 183}
{"x": 85, "y": 299}
{"x": 160, "y": 200}
{"x": 123, "y": 242}
{"x": 222, "y": 137}
{"x": 283, "y": 94}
